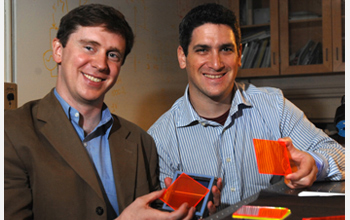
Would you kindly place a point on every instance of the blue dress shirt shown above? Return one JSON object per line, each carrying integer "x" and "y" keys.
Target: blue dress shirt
{"x": 97, "y": 146}
{"x": 187, "y": 142}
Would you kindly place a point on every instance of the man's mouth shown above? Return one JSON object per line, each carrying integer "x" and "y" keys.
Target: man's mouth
{"x": 92, "y": 78}
{"x": 216, "y": 76}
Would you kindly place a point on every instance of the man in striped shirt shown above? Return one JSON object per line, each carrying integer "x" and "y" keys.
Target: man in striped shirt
{"x": 210, "y": 129}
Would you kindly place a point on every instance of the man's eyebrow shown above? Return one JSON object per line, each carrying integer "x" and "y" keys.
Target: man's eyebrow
{"x": 221, "y": 46}
{"x": 228, "y": 45}
{"x": 86, "y": 41}
{"x": 201, "y": 46}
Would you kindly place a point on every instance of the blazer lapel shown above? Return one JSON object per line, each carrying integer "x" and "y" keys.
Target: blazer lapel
{"x": 124, "y": 162}
{"x": 65, "y": 140}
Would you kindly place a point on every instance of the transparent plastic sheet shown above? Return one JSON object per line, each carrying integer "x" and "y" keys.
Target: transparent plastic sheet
{"x": 184, "y": 189}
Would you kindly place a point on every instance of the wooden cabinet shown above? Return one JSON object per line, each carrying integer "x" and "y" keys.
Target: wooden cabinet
{"x": 338, "y": 30}
{"x": 305, "y": 37}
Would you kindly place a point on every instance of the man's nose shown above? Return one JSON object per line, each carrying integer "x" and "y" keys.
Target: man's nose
{"x": 100, "y": 62}
{"x": 216, "y": 61}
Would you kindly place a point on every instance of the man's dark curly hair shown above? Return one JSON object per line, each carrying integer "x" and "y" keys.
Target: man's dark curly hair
{"x": 93, "y": 15}
{"x": 207, "y": 13}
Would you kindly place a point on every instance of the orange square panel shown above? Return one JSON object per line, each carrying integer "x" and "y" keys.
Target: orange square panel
{"x": 184, "y": 189}
{"x": 261, "y": 212}
{"x": 273, "y": 157}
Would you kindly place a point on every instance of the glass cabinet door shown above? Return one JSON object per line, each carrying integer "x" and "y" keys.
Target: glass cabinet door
{"x": 306, "y": 36}
{"x": 260, "y": 39}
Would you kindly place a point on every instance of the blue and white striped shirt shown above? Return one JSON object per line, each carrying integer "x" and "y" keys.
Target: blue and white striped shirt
{"x": 187, "y": 142}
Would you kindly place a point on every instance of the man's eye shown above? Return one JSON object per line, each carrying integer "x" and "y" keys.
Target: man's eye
{"x": 227, "y": 49}
{"x": 114, "y": 56}
{"x": 201, "y": 50}
{"x": 88, "y": 48}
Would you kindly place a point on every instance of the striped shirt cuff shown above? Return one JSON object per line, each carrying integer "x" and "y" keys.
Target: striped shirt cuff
{"x": 322, "y": 165}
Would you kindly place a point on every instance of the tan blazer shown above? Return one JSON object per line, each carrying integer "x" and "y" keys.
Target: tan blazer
{"x": 49, "y": 175}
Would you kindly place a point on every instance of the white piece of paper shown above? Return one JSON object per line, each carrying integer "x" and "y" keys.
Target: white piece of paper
{"x": 314, "y": 193}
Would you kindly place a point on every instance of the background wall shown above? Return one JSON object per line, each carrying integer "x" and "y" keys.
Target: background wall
{"x": 150, "y": 80}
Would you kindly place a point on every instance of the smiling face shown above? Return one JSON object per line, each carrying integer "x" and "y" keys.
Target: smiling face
{"x": 212, "y": 63}
{"x": 89, "y": 65}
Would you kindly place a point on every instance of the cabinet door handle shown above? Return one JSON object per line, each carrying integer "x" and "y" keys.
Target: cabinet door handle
{"x": 274, "y": 58}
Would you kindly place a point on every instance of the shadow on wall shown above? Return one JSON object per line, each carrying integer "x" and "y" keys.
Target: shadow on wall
{"x": 155, "y": 104}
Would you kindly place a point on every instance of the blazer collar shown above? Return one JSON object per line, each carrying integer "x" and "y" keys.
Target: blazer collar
{"x": 124, "y": 161}
{"x": 61, "y": 135}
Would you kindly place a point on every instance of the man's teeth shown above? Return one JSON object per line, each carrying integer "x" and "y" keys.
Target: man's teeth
{"x": 213, "y": 76}
{"x": 92, "y": 78}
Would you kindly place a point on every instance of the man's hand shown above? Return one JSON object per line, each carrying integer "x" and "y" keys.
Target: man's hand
{"x": 140, "y": 209}
{"x": 216, "y": 190}
{"x": 307, "y": 169}
{"x": 168, "y": 181}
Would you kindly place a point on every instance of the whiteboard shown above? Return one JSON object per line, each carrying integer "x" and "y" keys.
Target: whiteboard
{"x": 150, "y": 80}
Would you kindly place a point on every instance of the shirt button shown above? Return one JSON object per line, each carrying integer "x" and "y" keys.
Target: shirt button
{"x": 228, "y": 160}
{"x": 99, "y": 210}
{"x": 76, "y": 114}
{"x": 85, "y": 144}
{"x": 233, "y": 189}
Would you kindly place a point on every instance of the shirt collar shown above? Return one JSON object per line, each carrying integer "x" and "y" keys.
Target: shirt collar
{"x": 189, "y": 115}
{"x": 240, "y": 97}
{"x": 72, "y": 113}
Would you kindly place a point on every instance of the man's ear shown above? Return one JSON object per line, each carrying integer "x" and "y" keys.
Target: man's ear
{"x": 57, "y": 50}
{"x": 181, "y": 57}
{"x": 240, "y": 55}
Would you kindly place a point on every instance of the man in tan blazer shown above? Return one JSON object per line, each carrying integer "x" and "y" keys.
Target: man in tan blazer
{"x": 50, "y": 172}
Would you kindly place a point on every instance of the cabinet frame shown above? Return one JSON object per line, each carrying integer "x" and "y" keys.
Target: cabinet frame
{"x": 281, "y": 29}
{"x": 338, "y": 64}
